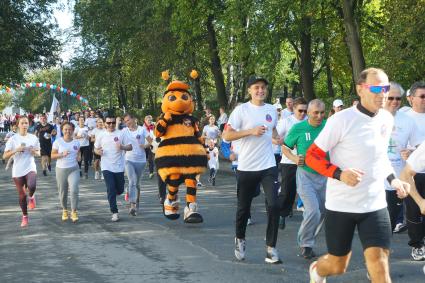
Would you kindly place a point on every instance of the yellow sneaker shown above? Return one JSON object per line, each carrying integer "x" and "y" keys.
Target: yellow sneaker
{"x": 74, "y": 216}
{"x": 65, "y": 215}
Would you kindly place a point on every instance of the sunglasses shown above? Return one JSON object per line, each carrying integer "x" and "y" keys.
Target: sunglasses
{"x": 302, "y": 111}
{"x": 377, "y": 89}
{"x": 391, "y": 98}
{"x": 422, "y": 96}
{"x": 111, "y": 123}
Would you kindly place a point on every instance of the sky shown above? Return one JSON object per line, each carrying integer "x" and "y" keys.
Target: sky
{"x": 64, "y": 18}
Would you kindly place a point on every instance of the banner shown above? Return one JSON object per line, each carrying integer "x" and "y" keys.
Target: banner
{"x": 54, "y": 108}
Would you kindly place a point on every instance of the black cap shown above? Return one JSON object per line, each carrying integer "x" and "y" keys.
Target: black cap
{"x": 255, "y": 79}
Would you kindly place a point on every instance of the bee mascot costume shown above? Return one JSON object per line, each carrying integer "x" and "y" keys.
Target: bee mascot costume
{"x": 180, "y": 155}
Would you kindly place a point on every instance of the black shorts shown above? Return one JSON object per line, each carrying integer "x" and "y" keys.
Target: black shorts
{"x": 374, "y": 229}
{"x": 45, "y": 149}
{"x": 96, "y": 156}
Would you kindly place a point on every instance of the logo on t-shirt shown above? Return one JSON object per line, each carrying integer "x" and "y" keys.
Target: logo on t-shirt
{"x": 75, "y": 147}
{"x": 268, "y": 118}
{"x": 116, "y": 139}
{"x": 138, "y": 137}
{"x": 187, "y": 122}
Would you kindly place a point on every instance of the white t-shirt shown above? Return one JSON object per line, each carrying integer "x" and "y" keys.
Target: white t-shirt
{"x": 417, "y": 159}
{"x": 404, "y": 132}
{"x": 213, "y": 161}
{"x": 356, "y": 140}
{"x": 283, "y": 127}
{"x": 255, "y": 153}
{"x": 23, "y": 162}
{"x": 72, "y": 147}
{"x": 137, "y": 138}
{"x": 90, "y": 123}
{"x": 222, "y": 119}
{"x": 112, "y": 158}
{"x": 286, "y": 113}
{"x": 211, "y": 132}
{"x": 84, "y": 133}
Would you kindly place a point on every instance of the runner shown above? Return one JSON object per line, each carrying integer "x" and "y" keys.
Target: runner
{"x": 357, "y": 140}
{"x": 254, "y": 122}
{"x": 100, "y": 129}
{"x": 110, "y": 147}
{"x": 81, "y": 134}
{"x": 66, "y": 151}
{"x": 23, "y": 147}
{"x": 135, "y": 160}
{"x": 44, "y": 132}
{"x": 310, "y": 185}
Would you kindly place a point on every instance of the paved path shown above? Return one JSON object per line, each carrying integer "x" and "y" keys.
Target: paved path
{"x": 150, "y": 248}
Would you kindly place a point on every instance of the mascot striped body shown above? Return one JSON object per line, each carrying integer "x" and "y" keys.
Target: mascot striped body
{"x": 180, "y": 155}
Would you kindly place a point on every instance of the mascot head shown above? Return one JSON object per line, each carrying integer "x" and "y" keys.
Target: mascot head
{"x": 177, "y": 99}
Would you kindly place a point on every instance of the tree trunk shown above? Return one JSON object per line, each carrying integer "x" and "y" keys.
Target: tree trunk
{"x": 353, "y": 37}
{"x": 215, "y": 63}
{"x": 306, "y": 59}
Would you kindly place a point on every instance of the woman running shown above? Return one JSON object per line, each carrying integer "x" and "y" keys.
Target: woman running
{"x": 66, "y": 151}
{"x": 135, "y": 160}
{"x": 23, "y": 147}
{"x": 94, "y": 135}
{"x": 81, "y": 134}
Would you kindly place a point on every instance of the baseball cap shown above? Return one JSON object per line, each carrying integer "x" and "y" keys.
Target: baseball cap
{"x": 408, "y": 92}
{"x": 255, "y": 79}
{"x": 338, "y": 103}
{"x": 278, "y": 106}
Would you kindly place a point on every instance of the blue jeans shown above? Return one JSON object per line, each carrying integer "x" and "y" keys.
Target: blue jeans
{"x": 312, "y": 190}
{"x": 114, "y": 186}
{"x": 134, "y": 173}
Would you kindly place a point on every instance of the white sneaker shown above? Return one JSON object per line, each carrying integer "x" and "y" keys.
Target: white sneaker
{"x": 300, "y": 208}
{"x": 115, "y": 217}
{"x": 250, "y": 222}
{"x": 96, "y": 175}
{"x": 101, "y": 176}
{"x": 240, "y": 246}
{"x": 272, "y": 256}
{"x": 191, "y": 214}
{"x": 418, "y": 254}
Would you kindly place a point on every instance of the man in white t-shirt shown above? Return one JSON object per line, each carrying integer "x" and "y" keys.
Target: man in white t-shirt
{"x": 254, "y": 124}
{"x": 289, "y": 110}
{"x": 110, "y": 146}
{"x": 414, "y": 219}
{"x": 415, "y": 164}
{"x": 357, "y": 139}
{"x": 288, "y": 187}
{"x": 403, "y": 135}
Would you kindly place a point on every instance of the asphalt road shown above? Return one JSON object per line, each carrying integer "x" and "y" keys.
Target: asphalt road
{"x": 150, "y": 248}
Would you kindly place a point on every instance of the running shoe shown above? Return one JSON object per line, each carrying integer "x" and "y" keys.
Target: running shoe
{"x": 74, "y": 216}
{"x": 49, "y": 167}
{"x": 307, "y": 253}
{"x": 400, "y": 228}
{"x": 31, "y": 202}
{"x": 240, "y": 246}
{"x": 65, "y": 215}
{"x": 126, "y": 196}
{"x": 151, "y": 175}
{"x": 199, "y": 184}
{"x": 313, "y": 267}
{"x": 115, "y": 217}
{"x": 96, "y": 175}
{"x": 44, "y": 173}
{"x": 132, "y": 211}
{"x": 191, "y": 214}
{"x": 418, "y": 254}
{"x": 24, "y": 222}
{"x": 300, "y": 208}
{"x": 272, "y": 256}
{"x": 250, "y": 222}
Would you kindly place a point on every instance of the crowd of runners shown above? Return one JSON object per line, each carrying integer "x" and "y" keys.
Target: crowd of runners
{"x": 361, "y": 166}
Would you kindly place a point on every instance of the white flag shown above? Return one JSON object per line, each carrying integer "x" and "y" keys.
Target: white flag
{"x": 54, "y": 108}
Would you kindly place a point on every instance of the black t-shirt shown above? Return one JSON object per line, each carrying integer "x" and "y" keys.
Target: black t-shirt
{"x": 43, "y": 131}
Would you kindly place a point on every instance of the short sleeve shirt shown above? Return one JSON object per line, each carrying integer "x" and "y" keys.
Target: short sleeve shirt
{"x": 72, "y": 147}
{"x": 417, "y": 159}
{"x": 255, "y": 152}
{"x": 137, "y": 138}
{"x": 112, "y": 158}
{"x": 23, "y": 162}
{"x": 302, "y": 136}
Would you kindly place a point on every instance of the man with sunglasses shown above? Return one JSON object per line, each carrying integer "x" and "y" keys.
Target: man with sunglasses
{"x": 415, "y": 221}
{"x": 403, "y": 134}
{"x": 110, "y": 146}
{"x": 357, "y": 140}
{"x": 288, "y": 187}
{"x": 310, "y": 185}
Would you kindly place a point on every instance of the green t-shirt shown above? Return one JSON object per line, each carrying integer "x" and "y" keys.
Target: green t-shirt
{"x": 301, "y": 136}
